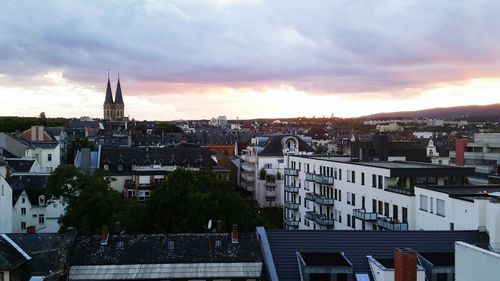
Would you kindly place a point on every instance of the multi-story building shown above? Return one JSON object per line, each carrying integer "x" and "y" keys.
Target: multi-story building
{"x": 340, "y": 193}
{"x": 262, "y": 166}
{"x": 5, "y": 200}
{"x": 483, "y": 154}
{"x": 30, "y": 208}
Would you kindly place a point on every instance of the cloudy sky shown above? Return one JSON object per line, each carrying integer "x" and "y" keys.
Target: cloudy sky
{"x": 247, "y": 58}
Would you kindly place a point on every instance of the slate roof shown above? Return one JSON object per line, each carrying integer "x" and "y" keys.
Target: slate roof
{"x": 118, "y": 96}
{"x": 274, "y": 146}
{"x": 178, "y": 155}
{"x": 34, "y": 185}
{"x": 7, "y": 154}
{"x": 109, "y": 94}
{"x": 356, "y": 245}
{"x": 19, "y": 165}
{"x": 54, "y": 131}
{"x": 154, "y": 249}
{"x": 10, "y": 257}
{"x": 48, "y": 251}
{"x": 44, "y": 144}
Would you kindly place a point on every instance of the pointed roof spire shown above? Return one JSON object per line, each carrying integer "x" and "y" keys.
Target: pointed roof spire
{"x": 109, "y": 93}
{"x": 118, "y": 96}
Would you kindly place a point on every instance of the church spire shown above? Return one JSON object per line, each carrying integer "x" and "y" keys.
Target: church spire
{"x": 118, "y": 96}
{"x": 109, "y": 93}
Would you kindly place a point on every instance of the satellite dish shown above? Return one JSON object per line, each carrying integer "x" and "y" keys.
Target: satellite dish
{"x": 209, "y": 224}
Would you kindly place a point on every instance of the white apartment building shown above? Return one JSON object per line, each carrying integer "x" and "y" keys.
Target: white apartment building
{"x": 338, "y": 193}
{"x": 459, "y": 208}
{"x": 262, "y": 166}
{"x": 5, "y": 200}
{"x": 483, "y": 154}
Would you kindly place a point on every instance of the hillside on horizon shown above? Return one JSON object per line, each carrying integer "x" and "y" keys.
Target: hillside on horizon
{"x": 467, "y": 111}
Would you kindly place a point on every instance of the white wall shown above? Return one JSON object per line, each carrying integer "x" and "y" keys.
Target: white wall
{"x": 42, "y": 156}
{"x": 475, "y": 264}
{"x": 51, "y": 212}
{"x": 5, "y": 206}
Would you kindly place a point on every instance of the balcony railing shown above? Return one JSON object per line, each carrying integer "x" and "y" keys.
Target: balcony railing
{"x": 271, "y": 193}
{"x": 389, "y": 224}
{"x": 323, "y": 220}
{"x": 270, "y": 182}
{"x": 248, "y": 158}
{"x": 363, "y": 215}
{"x": 292, "y": 205}
{"x": 400, "y": 190}
{"x": 322, "y": 200}
{"x": 248, "y": 177}
{"x": 291, "y": 189}
{"x": 321, "y": 179}
{"x": 310, "y": 215}
{"x": 291, "y": 172}
{"x": 310, "y": 196}
{"x": 291, "y": 222}
{"x": 248, "y": 168}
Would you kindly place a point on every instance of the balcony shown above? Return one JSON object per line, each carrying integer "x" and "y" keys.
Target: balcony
{"x": 291, "y": 172}
{"x": 292, "y": 205}
{"x": 389, "y": 224}
{"x": 310, "y": 215}
{"x": 474, "y": 155}
{"x": 319, "y": 179}
{"x": 248, "y": 177}
{"x": 363, "y": 215}
{"x": 322, "y": 200}
{"x": 271, "y": 193}
{"x": 291, "y": 189}
{"x": 248, "y": 168}
{"x": 323, "y": 220}
{"x": 291, "y": 222}
{"x": 269, "y": 182}
{"x": 310, "y": 196}
{"x": 400, "y": 190}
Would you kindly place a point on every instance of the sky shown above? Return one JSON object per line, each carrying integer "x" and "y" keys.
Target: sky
{"x": 247, "y": 58}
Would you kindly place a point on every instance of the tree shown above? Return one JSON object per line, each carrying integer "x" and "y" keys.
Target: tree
{"x": 166, "y": 127}
{"x": 262, "y": 174}
{"x": 188, "y": 200}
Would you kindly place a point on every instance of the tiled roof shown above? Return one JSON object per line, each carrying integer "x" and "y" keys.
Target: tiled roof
{"x": 356, "y": 245}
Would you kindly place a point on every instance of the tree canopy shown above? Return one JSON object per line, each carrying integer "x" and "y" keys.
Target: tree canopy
{"x": 166, "y": 127}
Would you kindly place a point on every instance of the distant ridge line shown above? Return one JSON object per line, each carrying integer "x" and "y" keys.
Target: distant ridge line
{"x": 491, "y": 110}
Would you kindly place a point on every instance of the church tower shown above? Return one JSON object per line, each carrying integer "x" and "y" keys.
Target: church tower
{"x": 109, "y": 105}
{"x": 114, "y": 110}
{"x": 119, "y": 105}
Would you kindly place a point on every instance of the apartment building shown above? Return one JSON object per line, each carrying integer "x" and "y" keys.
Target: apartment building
{"x": 483, "y": 153}
{"x": 340, "y": 193}
{"x": 262, "y": 166}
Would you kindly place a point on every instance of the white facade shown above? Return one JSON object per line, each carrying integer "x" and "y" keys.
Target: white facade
{"x": 336, "y": 193}
{"x": 48, "y": 158}
{"x": 475, "y": 264}
{"x": 5, "y": 206}
{"x": 42, "y": 214}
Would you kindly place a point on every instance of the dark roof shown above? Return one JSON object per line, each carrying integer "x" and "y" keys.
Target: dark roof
{"x": 34, "y": 185}
{"x": 54, "y": 131}
{"x": 48, "y": 251}
{"x": 109, "y": 94}
{"x": 19, "y": 165}
{"x": 274, "y": 146}
{"x": 154, "y": 249}
{"x": 10, "y": 257}
{"x": 356, "y": 245}
{"x": 7, "y": 154}
{"x": 324, "y": 259}
{"x": 440, "y": 259}
{"x": 118, "y": 96}
{"x": 44, "y": 144}
{"x": 178, "y": 155}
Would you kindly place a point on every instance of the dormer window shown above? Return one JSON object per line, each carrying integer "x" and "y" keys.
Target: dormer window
{"x": 120, "y": 167}
{"x": 106, "y": 167}
{"x": 41, "y": 200}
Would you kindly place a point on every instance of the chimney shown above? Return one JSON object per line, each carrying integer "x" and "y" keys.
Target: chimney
{"x": 219, "y": 226}
{"x": 234, "y": 234}
{"x": 104, "y": 235}
{"x": 405, "y": 265}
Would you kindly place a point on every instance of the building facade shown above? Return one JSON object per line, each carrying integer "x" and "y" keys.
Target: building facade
{"x": 483, "y": 154}
{"x": 340, "y": 193}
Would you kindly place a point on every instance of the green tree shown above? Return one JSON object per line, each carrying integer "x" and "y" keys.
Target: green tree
{"x": 188, "y": 200}
{"x": 166, "y": 127}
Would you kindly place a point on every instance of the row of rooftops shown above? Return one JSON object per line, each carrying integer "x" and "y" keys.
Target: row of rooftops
{"x": 274, "y": 251}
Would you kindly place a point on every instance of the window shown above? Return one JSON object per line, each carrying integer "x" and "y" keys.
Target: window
{"x": 386, "y": 209}
{"x": 340, "y": 195}
{"x": 452, "y": 226}
{"x": 348, "y": 176}
{"x": 41, "y": 200}
{"x": 374, "y": 206}
{"x": 120, "y": 167}
{"x": 353, "y": 222}
{"x": 41, "y": 219}
{"x": 130, "y": 193}
{"x": 405, "y": 215}
{"x": 106, "y": 167}
{"x": 348, "y": 220}
{"x": 395, "y": 212}
{"x": 362, "y": 178}
{"x": 23, "y": 211}
{"x": 348, "y": 198}
{"x": 340, "y": 216}
{"x": 423, "y": 203}
{"x": 23, "y": 225}
{"x": 49, "y": 157}
{"x": 374, "y": 180}
{"x": 380, "y": 182}
{"x": 440, "y": 207}
{"x": 353, "y": 201}
{"x": 380, "y": 208}
{"x": 353, "y": 177}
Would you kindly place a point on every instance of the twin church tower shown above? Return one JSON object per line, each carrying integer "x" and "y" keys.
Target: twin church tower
{"x": 114, "y": 110}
